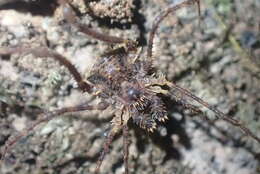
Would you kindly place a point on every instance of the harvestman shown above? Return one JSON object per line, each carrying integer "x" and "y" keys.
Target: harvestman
{"x": 123, "y": 79}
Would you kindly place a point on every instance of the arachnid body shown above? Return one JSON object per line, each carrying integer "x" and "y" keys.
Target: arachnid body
{"x": 124, "y": 80}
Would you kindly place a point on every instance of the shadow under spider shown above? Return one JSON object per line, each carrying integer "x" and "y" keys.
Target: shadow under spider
{"x": 165, "y": 143}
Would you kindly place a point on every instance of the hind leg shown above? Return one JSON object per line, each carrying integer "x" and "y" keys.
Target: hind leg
{"x": 47, "y": 117}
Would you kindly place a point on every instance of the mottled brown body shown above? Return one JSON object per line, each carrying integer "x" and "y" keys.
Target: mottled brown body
{"x": 122, "y": 79}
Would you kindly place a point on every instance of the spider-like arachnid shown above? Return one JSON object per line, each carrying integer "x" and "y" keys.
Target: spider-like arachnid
{"x": 123, "y": 79}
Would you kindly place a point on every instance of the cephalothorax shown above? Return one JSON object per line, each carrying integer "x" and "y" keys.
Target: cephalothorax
{"x": 123, "y": 80}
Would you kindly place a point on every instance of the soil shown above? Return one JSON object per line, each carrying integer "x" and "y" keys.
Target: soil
{"x": 217, "y": 58}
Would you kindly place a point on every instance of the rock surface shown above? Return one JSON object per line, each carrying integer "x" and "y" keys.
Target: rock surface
{"x": 218, "y": 64}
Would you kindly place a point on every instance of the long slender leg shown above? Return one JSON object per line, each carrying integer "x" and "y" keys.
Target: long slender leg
{"x": 44, "y": 52}
{"x": 126, "y": 147}
{"x": 218, "y": 113}
{"x": 46, "y": 117}
{"x": 70, "y": 16}
{"x": 181, "y": 100}
{"x": 106, "y": 145}
{"x": 162, "y": 16}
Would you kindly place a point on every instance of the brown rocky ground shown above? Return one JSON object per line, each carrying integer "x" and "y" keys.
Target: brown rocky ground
{"x": 218, "y": 60}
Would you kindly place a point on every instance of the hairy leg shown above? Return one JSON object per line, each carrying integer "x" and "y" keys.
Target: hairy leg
{"x": 219, "y": 114}
{"x": 47, "y": 117}
{"x": 114, "y": 130}
{"x": 126, "y": 147}
{"x": 179, "y": 98}
{"x": 161, "y": 17}
{"x": 44, "y": 52}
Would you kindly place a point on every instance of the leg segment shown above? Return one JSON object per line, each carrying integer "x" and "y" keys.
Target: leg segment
{"x": 47, "y": 117}
{"x": 181, "y": 100}
{"x": 44, "y": 52}
{"x": 108, "y": 142}
{"x": 219, "y": 114}
{"x": 126, "y": 147}
{"x": 162, "y": 16}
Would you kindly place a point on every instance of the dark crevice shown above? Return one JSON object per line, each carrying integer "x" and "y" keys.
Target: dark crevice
{"x": 39, "y": 7}
{"x": 137, "y": 19}
{"x": 117, "y": 165}
{"x": 79, "y": 161}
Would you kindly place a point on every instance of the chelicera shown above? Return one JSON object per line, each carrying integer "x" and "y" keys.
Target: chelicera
{"x": 123, "y": 79}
